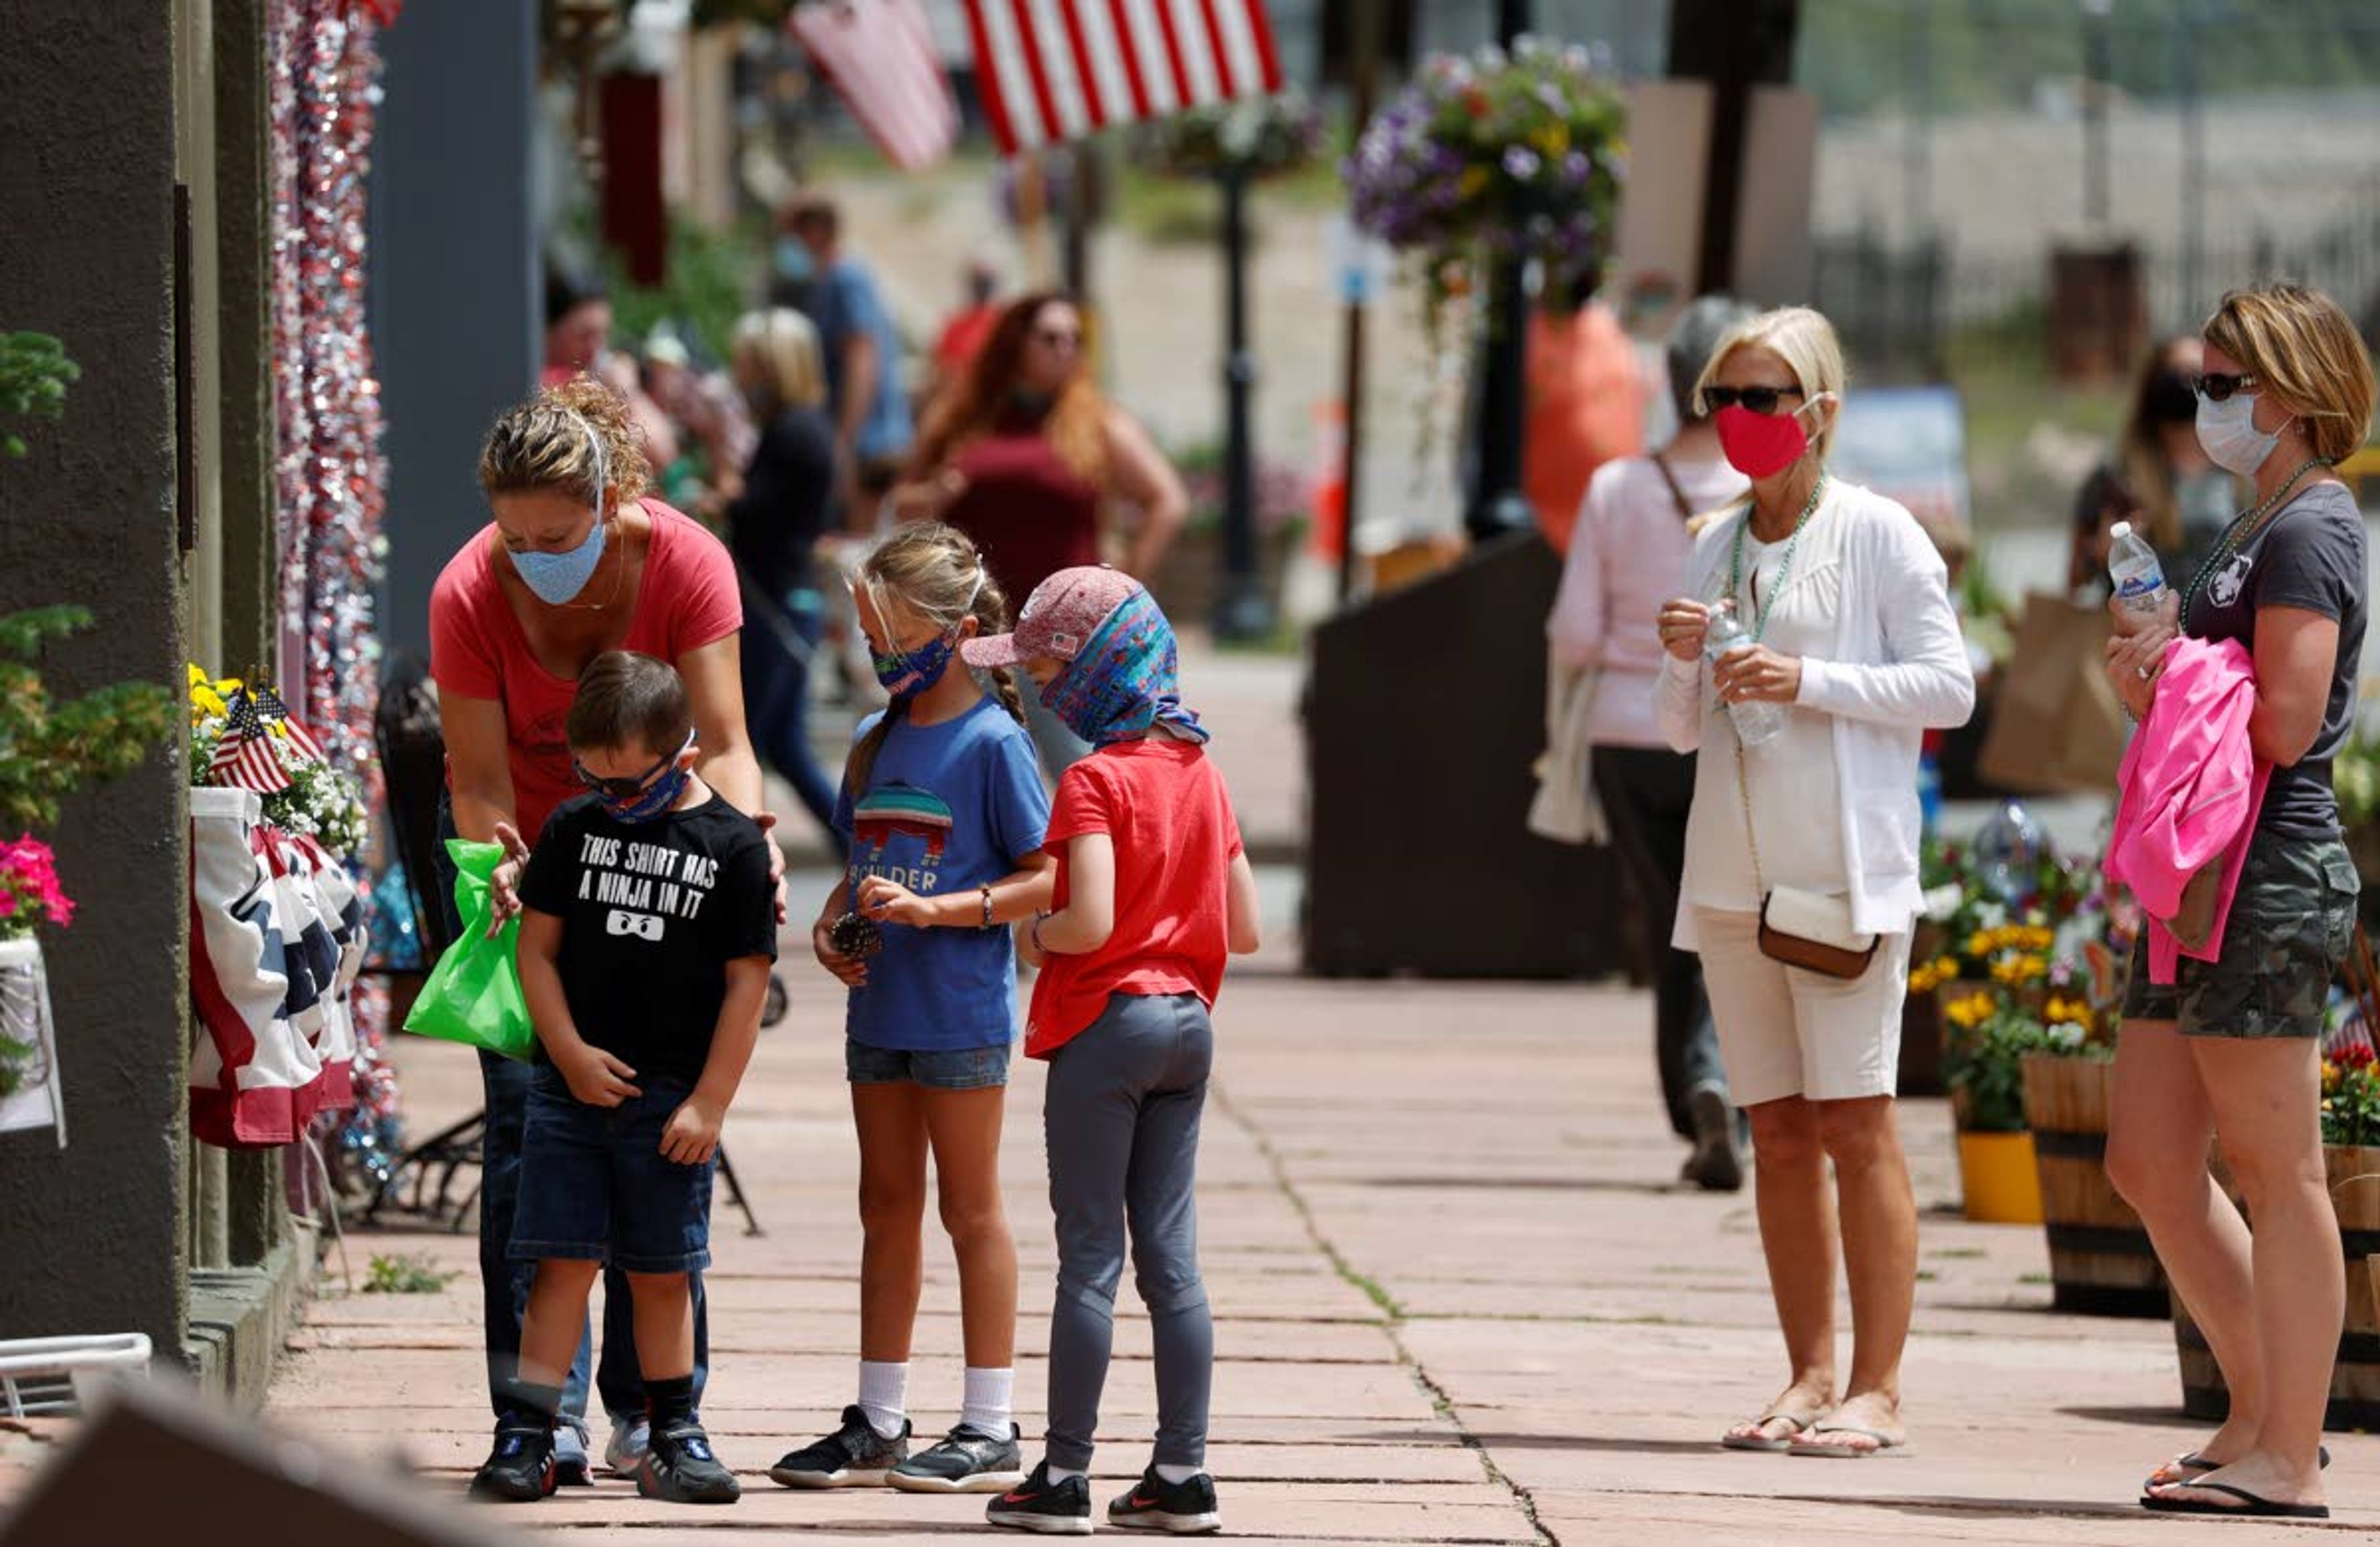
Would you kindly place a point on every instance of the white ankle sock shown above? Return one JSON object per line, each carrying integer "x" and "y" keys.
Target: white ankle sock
{"x": 885, "y": 1395}
{"x": 1173, "y": 1473}
{"x": 989, "y": 1398}
{"x": 1058, "y": 1475}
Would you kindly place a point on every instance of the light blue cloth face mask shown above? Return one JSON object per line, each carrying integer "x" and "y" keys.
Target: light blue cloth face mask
{"x": 555, "y": 578}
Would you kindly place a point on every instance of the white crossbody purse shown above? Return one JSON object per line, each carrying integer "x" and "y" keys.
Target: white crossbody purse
{"x": 1801, "y": 927}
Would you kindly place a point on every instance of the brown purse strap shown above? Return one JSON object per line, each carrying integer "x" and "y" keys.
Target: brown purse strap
{"x": 1677, "y": 493}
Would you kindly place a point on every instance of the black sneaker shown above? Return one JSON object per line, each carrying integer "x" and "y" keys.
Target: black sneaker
{"x": 1185, "y": 1508}
{"x": 966, "y": 1461}
{"x": 852, "y": 1456}
{"x": 520, "y": 1468}
{"x": 1039, "y": 1504}
{"x": 679, "y": 1467}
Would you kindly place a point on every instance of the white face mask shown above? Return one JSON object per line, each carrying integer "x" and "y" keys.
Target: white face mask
{"x": 2227, "y": 432}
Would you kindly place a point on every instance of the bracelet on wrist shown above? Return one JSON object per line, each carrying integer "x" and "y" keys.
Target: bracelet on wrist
{"x": 1040, "y": 918}
{"x": 985, "y": 889}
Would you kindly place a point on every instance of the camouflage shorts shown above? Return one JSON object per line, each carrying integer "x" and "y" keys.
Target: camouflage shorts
{"x": 2290, "y": 924}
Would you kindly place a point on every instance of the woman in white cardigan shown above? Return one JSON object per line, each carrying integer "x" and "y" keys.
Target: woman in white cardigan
{"x": 1849, "y": 608}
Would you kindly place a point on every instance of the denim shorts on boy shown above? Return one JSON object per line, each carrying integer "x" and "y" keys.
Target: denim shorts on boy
{"x": 2291, "y": 922}
{"x": 965, "y": 1068}
{"x": 595, "y": 1186}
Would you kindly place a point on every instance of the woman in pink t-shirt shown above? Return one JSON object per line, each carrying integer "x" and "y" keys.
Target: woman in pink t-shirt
{"x": 579, "y": 560}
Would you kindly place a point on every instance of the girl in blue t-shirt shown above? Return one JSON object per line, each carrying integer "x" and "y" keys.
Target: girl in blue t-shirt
{"x": 943, "y": 812}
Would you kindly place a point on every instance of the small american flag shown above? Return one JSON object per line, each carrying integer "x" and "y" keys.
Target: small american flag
{"x": 880, "y": 56}
{"x": 273, "y": 712}
{"x": 244, "y": 757}
{"x": 1057, "y": 69}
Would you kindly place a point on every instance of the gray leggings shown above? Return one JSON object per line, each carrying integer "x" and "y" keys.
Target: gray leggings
{"x": 1122, "y": 1122}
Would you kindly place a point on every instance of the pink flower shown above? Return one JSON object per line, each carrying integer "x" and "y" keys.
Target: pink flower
{"x": 29, "y": 873}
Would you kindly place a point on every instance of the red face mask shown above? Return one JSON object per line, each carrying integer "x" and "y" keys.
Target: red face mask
{"x": 1760, "y": 446}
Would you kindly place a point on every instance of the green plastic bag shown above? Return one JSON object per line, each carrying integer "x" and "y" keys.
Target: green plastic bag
{"x": 473, "y": 996}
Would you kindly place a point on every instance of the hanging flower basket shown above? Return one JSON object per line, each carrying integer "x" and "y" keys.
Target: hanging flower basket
{"x": 1257, "y": 138}
{"x": 1491, "y": 155}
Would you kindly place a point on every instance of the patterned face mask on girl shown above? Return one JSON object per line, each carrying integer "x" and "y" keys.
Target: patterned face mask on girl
{"x": 904, "y": 673}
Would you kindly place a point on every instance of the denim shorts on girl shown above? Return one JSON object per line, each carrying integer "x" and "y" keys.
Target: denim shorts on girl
{"x": 963, "y": 1068}
{"x": 596, "y": 1187}
{"x": 2291, "y": 922}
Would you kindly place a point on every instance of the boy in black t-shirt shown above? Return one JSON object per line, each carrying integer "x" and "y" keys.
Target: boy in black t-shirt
{"x": 647, "y": 936}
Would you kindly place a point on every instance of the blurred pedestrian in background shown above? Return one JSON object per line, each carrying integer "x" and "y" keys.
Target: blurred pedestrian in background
{"x": 578, "y": 340}
{"x": 716, "y": 436}
{"x": 1028, "y": 457}
{"x": 1630, "y": 546}
{"x": 861, "y": 349}
{"x": 784, "y": 505}
{"x": 2160, "y": 479}
{"x": 966, "y": 332}
{"x": 1586, "y": 406}
{"x": 1801, "y": 876}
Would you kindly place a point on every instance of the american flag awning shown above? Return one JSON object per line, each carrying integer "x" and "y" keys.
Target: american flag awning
{"x": 1056, "y": 69}
{"x": 880, "y": 58}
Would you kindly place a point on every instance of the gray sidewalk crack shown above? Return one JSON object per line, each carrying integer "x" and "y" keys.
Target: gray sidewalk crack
{"x": 1392, "y": 1313}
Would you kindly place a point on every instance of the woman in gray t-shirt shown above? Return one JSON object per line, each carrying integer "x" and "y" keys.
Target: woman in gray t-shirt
{"x": 2232, "y": 1048}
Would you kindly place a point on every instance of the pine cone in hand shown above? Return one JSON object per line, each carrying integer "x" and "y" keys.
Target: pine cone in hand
{"x": 855, "y": 936}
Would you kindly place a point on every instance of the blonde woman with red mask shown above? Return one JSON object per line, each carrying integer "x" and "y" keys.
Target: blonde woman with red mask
{"x": 1837, "y": 649}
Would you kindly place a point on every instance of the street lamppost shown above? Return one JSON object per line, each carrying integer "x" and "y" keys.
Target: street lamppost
{"x": 1242, "y": 611}
{"x": 2096, "y": 67}
{"x": 1496, "y": 506}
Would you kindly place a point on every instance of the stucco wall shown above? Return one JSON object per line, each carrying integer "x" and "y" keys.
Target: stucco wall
{"x": 92, "y": 1234}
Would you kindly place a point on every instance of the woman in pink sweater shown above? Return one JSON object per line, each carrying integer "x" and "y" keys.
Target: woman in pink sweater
{"x": 1630, "y": 545}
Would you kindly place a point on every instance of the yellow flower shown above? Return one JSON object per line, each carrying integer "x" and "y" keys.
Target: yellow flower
{"x": 1970, "y": 1011}
{"x": 1979, "y": 943}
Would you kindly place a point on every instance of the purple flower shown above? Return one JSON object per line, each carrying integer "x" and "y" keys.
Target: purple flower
{"x": 1521, "y": 163}
{"x": 1576, "y": 167}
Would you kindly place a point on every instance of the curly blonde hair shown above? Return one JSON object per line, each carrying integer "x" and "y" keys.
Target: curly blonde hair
{"x": 543, "y": 443}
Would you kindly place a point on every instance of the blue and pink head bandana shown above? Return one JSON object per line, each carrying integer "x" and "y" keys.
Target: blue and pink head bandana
{"x": 1123, "y": 680}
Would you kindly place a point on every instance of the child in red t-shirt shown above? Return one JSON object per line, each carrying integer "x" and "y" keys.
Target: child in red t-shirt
{"x": 1153, "y": 892}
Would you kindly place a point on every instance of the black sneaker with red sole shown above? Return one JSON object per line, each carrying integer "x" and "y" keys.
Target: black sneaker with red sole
{"x": 1039, "y": 1504}
{"x": 1184, "y": 1508}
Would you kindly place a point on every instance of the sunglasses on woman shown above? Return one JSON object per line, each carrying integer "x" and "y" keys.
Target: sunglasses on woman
{"x": 621, "y": 789}
{"x": 1057, "y": 338}
{"x": 2218, "y": 387}
{"x": 1759, "y": 399}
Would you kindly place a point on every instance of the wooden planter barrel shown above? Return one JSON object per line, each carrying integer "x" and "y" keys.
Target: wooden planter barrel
{"x": 2355, "y": 1381}
{"x": 2100, "y": 1260}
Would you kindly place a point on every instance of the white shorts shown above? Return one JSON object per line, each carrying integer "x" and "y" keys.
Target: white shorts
{"x": 1784, "y": 1032}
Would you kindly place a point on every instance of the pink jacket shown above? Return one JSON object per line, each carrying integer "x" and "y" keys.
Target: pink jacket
{"x": 2191, "y": 787}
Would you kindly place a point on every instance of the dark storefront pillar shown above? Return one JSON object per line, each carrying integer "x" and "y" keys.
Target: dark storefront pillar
{"x": 94, "y": 1233}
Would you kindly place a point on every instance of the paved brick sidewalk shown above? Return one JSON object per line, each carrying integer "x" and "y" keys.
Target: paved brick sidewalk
{"x": 1458, "y": 1302}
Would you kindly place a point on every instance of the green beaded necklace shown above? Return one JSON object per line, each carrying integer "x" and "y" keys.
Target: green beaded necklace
{"x": 2242, "y": 531}
{"x": 1784, "y": 562}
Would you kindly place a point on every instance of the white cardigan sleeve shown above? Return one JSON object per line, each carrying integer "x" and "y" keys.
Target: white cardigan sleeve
{"x": 1678, "y": 691}
{"x": 1924, "y": 679}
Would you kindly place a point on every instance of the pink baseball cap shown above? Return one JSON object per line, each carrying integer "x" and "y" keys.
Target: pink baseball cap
{"x": 1059, "y": 618}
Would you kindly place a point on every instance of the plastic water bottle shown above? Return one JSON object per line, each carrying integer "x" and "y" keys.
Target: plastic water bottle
{"x": 2133, "y": 567}
{"x": 1755, "y": 723}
